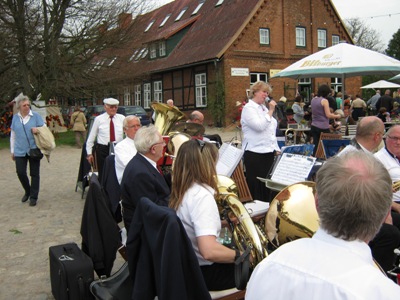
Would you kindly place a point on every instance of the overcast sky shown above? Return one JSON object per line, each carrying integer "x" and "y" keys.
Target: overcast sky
{"x": 374, "y": 13}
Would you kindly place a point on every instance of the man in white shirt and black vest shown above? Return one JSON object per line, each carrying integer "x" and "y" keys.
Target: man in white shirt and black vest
{"x": 107, "y": 128}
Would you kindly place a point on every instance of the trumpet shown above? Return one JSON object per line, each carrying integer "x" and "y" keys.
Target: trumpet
{"x": 396, "y": 186}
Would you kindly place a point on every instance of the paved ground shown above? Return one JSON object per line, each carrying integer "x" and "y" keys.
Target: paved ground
{"x": 27, "y": 232}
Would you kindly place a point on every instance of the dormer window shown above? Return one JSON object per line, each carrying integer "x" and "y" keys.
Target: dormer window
{"x": 181, "y": 14}
{"x": 165, "y": 20}
{"x": 148, "y": 26}
{"x": 198, "y": 7}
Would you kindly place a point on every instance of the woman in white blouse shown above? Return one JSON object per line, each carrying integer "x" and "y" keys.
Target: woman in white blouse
{"x": 259, "y": 138}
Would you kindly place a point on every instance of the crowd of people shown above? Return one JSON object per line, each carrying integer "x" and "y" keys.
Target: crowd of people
{"x": 358, "y": 212}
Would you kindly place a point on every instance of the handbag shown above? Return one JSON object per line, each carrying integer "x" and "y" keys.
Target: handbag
{"x": 117, "y": 286}
{"x": 35, "y": 154}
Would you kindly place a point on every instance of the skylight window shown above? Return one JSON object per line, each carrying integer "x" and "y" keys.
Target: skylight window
{"x": 140, "y": 54}
{"x": 112, "y": 61}
{"x": 148, "y": 26}
{"x": 165, "y": 20}
{"x": 198, "y": 7}
{"x": 133, "y": 55}
{"x": 219, "y": 2}
{"x": 181, "y": 14}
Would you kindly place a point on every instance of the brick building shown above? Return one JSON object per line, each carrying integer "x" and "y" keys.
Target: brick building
{"x": 206, "y": 54}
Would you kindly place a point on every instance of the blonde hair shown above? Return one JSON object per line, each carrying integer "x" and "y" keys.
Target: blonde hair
{"x": 260, "y": 86}
{"x": 195, "y": 163}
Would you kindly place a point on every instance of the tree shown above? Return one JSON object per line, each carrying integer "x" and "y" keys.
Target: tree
{"x": 48, "y": 45}
{"x": 393, "y": 48}
{"x": 363, "y": 35}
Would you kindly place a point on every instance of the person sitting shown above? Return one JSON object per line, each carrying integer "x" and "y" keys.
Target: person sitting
{"x": 193, "y": 190}
{"x": 353, "y": 195}
{"x": 125, "y": 149}
{"x": 141, "y": 177}
{"x": 383, "y": 115}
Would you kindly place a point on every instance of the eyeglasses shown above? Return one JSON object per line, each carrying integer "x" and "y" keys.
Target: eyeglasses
{"x": 201, "y": 144}
{"x": 394, "y": 138}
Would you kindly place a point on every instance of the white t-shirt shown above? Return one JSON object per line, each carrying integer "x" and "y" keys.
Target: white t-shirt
{"x": 199, "y": 215}
{"x": 321, "y": 267}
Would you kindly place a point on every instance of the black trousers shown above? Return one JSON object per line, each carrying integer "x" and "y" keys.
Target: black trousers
{"x": 219, "y": 277}
{"x": 31, "y": 188}
{"x": 258, "y": 165}
{"x": 316, "y": 135}
{"x": 102, "y": 151}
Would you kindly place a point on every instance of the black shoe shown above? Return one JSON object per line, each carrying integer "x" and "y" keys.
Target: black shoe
{"x": 32, "y": 202}
{"x": 25, "y": 198}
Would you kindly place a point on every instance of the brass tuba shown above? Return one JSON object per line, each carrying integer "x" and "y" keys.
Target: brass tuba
{"x": 245, "y": 233}
{"x": 166, "y": 117}
{"x": 292, "y": 214}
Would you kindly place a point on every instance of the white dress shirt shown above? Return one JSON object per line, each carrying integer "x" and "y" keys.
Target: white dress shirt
{"x": 199, "y": 215}
{"x": 321, "y": 267}
{"x": 391, "y": 164}
{"x": 123, "y": 151}
{"x": 101, "y": 130}
{"x": 259, "y": 129}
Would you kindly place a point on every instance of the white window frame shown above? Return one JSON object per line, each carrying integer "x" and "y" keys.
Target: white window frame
{"x": 264, "y": 36}
{"x": 127, "y": 96}
{"x": 321, "y": 38}
{"x": 196, "y": 10}
{"x": 335, "y": 39}
{"x": 153, "y": 51}
{"x": 258, "y": 77}
{"x": 165, "y": 20}
{"x": 150, "y": 24}
{"x": 300, "y": 37}
{"x": 146, "y": 95}
{"x": 201, "y": 89}
{"x": 162, "y": 49}
{"x": 181, "y": 14}
{"x": 138, "y": 94}
{"x": 157, "y": 91}
{"x": 336, "y": 84}
{"x": 305, "y": 80}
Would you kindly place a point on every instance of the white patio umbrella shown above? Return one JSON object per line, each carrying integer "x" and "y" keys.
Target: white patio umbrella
{"x": 342, "y": 60}
{"x": 381, "y": 84}
{"x": 395, "y": 78}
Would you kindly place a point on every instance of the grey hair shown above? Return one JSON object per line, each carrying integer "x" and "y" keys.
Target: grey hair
{"x": 129, "y": 118}
{"x": 19, "y": 99}
{"x": 393, "y": 127}
{"x": 354, "y": 193}
{"x": 145, "y": 138}
{"x": 259, "y": 86}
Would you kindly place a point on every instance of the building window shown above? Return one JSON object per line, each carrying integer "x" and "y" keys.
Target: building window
{"x": 165, "y": 20}
{"x": 157, "y": 88}
{"x": 153, "y": 51}
{"x": 198, "y": 7}
{"x": 181, "y": 14}
{"x": 219, "y": 2}
{"x": 335, "y": 40}
{"x": 305, "y": 81}
{"x": 336, "y": 84}
{"x": 201, "y": 90}
{"x": 148, "y": 26}
{"x": 264, "y": 36}
{"x": 300, "y": 37}
{"x": 134, "y": 54}
{"x": 138, "y": 94}
{"x": 146, "y": 95}
{"x": 254, "y": 77}
{"x": 127, "y": 96}
{"x": 321, "y": 38}
{"x": 112, "y": 61}
{"x": 162, "y": 48}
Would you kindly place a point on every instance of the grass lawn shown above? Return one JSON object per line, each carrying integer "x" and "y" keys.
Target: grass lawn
{"x": 65, "y": 138}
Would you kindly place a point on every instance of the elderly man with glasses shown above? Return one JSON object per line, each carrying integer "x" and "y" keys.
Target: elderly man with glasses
{"x": 107, "y": 128}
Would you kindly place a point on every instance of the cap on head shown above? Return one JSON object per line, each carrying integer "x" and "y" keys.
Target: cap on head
{"x": 283, "y": 99}
{"x": 111, "y": 101}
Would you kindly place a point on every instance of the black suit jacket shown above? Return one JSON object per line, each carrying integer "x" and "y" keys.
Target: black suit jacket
{"x": 161, "y": 258}
{"x": 141, "y": 179}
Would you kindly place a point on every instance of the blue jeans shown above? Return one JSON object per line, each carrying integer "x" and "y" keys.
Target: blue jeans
{"x": 32, "y": 188}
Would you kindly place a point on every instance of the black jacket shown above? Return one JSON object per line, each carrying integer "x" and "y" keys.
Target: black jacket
{"x": 161, "y": 258}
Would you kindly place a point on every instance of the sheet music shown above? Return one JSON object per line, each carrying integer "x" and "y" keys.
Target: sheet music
{"x": 229, "y": 157}
{"x": 292, "y": 168}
